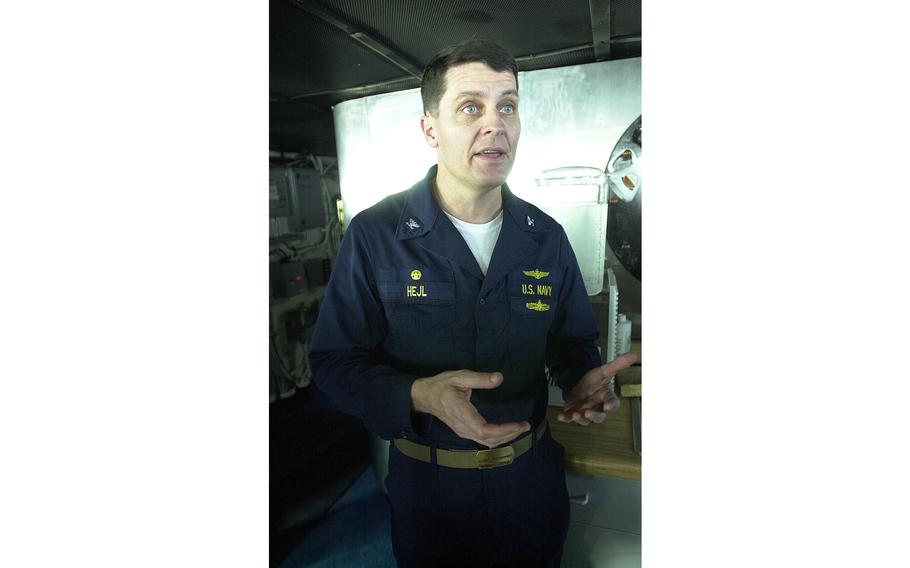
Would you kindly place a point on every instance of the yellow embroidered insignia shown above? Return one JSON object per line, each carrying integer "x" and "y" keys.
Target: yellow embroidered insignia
{"x": 415, "y": 275}
{"x": 538, "y": 306}
{"x": 536, "y": 273}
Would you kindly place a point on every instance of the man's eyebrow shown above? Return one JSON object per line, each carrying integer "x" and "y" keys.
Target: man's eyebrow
{"x": 478, "y": 94}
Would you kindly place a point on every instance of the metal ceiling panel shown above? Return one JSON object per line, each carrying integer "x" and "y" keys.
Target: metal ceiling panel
{"x": 625, "y": 18}
{"x": 307, "y": 54}
{"x": 420, "y": 28}
{"x": 315, "y": 64}
{"x": 625, "y": 49}
{"x": 575, "y": 57}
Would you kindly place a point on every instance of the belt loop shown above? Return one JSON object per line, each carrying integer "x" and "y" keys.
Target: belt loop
{"x": 433, "y": 454}
{"x": 534, "y": 439}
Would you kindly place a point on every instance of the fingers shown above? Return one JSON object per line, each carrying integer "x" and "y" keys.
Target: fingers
{"x": 564, "y": 416}
{"x": 456, "y": 410}
{"x": 608, "y": 370}
{"x": 621, "y": 362}
{"x": 496, "y": 434}
{"x": 579, "y": 405}
{"x": 595, "y": 378}
{"x": 500, "y": 430}
{"x": 591, "y": 409}
{"x": 493, "y": 441}
{"x": 579, "y": 418}
{"x": 474, "y": 380}
{"x": 571, "y": 416}
{"x": 594, "y": 416}
{"x": 611, "y": 404}
{"x": 492, "y": 435}
{"x": 469, "y": 424}
{"x": 584, "y": 417}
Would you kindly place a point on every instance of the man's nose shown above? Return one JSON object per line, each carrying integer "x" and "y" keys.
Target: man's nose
{"x": 493, "y": 122}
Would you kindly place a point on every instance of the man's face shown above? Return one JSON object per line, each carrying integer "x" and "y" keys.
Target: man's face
{"x": 477, "y": 128}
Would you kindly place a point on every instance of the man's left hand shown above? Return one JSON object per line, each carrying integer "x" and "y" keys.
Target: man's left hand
{"x": 593, "y": 396}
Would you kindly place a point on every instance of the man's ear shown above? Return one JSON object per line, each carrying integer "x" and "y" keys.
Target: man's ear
{"x": 428, "y": 126}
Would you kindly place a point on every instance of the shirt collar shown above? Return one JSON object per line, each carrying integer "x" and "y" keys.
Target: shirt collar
{"x": 421, "y": 211}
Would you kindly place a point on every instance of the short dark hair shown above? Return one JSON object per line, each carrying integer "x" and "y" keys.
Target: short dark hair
{"x": 433, "y": 84}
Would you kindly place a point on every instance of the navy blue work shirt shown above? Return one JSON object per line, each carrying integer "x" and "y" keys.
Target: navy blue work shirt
{"x": 407, "y": 300}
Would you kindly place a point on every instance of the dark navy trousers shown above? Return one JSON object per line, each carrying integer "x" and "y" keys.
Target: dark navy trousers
{"x": 515, "y": 515}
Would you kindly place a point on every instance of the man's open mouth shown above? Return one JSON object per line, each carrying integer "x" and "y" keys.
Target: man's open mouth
{"x": 491, "y": 154}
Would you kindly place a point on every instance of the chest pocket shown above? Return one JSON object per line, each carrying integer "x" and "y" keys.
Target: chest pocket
{"x": 419, "y": 304}
{"x": 533, "y": 295}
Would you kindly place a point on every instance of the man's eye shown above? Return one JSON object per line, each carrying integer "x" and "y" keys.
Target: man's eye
{"x": 508, "y": 109}
{"x": 469, "y": 109}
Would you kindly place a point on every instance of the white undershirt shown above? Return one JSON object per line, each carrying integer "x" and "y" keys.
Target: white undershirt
{"x": 481, "y": 239}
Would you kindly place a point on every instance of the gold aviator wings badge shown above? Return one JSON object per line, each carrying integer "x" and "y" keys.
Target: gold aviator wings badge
{"x": 536, "y": 273}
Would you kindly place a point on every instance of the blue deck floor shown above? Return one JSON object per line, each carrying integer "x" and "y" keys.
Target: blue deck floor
{"x": 355, "y": 533}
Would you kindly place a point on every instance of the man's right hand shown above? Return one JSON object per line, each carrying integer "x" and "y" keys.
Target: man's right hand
{"x": 447, "y": 396}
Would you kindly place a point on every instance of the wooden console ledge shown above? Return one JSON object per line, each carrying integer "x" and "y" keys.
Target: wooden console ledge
{"x": 605, "y": 448}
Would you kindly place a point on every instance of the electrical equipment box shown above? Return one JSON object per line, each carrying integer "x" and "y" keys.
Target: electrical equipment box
{"x": 307, "y": 200}
{"x": 291, "y": 278}
{"x": 287, "y": 279}
{"x": 279, "y": 202}
{"x": 318, "y": 271}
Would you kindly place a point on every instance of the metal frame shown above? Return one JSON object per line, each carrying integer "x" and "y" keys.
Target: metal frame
{"x": 600, "y": 28}
{"x": 395, "y": 58}
{"x": 403, "y": 82}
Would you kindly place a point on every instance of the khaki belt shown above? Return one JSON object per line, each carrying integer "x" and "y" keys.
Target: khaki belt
{"x": 472, "y": 459}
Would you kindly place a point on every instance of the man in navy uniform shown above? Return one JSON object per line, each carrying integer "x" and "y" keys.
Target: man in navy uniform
{"x": 446, "y": 305}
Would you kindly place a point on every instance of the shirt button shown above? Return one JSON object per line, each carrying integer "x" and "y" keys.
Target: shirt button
{"x": 482, "y": 301}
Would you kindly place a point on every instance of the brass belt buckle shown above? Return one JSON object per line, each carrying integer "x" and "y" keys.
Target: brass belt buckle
{"x": 495, "y": 457}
